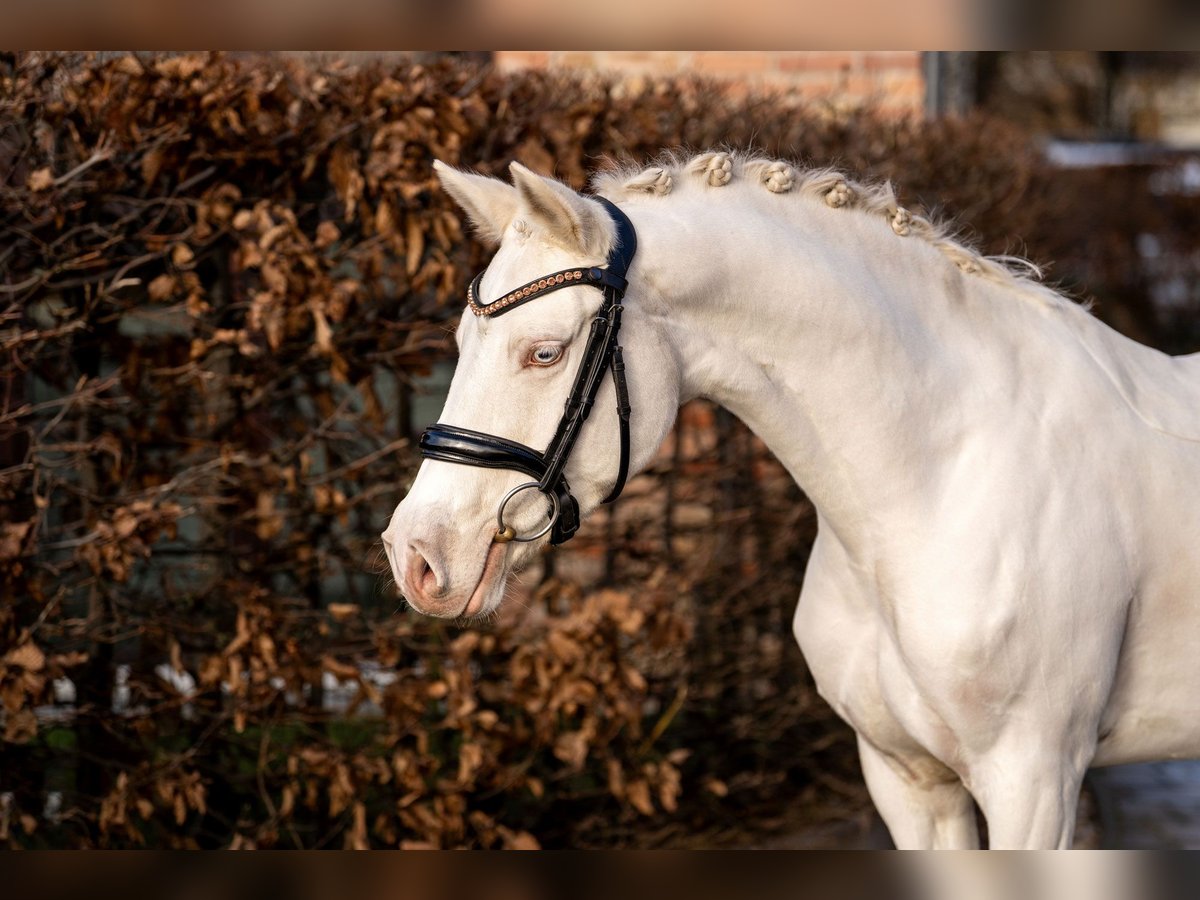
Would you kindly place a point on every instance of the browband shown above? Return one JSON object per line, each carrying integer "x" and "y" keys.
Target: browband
{"x": 594, "y": 276}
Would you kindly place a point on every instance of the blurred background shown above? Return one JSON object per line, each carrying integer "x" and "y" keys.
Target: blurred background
{"x": 228, "y": 285}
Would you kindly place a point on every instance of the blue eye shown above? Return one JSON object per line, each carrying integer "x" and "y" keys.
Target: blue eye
{"x": 545, "y": 354}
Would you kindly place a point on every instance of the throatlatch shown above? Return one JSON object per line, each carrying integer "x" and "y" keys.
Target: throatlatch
{"x": 601, "y": 354}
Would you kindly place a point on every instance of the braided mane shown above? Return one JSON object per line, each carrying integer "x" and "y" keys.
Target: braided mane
{"x": 718, "y": 168}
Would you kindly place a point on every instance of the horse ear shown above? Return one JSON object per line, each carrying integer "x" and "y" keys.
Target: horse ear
{"x": 570, "y": 219}
{"x": 489, "y": 203}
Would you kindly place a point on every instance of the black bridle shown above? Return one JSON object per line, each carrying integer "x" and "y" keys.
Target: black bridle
{"x": 602, "y": 353}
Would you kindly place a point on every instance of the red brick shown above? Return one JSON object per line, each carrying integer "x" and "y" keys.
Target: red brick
{"x": 859, "y": 85}
{"x": 814, "y": 88}
{"x": 658, "y": 61}
{"x": 731, "y": 62}
{"x": 634, "y": 57}
{"x": 817, "y": 61}
{"x": 907, "y": 60}
{"x": 901, "y": 85}
{"x": 522, "y": 59}
{"x": 576, "y": 59}
{"x": 887, "y": 78}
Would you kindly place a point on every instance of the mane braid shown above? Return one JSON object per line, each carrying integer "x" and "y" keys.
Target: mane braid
{"x": 714, "y": 169}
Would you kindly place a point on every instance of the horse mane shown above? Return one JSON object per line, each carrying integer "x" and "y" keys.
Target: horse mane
{"x": 828, "y": 185}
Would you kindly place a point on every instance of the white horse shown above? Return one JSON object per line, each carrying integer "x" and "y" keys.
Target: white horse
{"x": 1005, "y": 587}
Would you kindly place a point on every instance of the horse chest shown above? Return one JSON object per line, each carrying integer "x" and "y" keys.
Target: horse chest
{"x": 846, "y": 644}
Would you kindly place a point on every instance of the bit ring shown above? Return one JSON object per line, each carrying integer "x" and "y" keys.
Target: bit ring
{"x": 505, "y": 533}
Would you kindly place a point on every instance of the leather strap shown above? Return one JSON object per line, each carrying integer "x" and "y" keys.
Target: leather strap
{"x": 597, "y": 354}
{"x": 623, "y": 411}
{"x": 449, "y": 443}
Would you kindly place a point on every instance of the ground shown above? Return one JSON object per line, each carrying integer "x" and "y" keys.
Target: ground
{"x": 1149, "y": 806}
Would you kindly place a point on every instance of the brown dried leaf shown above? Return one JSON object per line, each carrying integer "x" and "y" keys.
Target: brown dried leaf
{"x": 12, "y": 538}
{"x": 385, "y": 221}
{"x": 327, "y": 233}
{"x": 182, "y": 255}
{"x": 40, "y": 180}
{"x": 520, "y": 840}
{"x": 346, "y": 179}
{"x": 342, "y": 670}
{"x": 342, "y": 612}
{"x": 274, "y": 279}
{"x": 151, "y": 165}
{"x": 68, "y": 660}
{"x": 124, "y": 523}
{"x": 181, "y": 67}
{"x": 470, "y": 760}
{"x": 20, "y": 727}
{"x": 669, "y": 790}
{"x": 616, "y": 778}
{"x": 634, "y": 678}
{"x": 356, "y": 837}
{"x": 572, "y": 748}
{"x": 28, "y": 656}
{"x": 162, "y": 287}
{"x": 196, "y": 305}
{"x": 414, "y": 239}
{"x": 270, "y": 522}
{"x": 322, "y": 332}
{"x": 638, "y": 794}
{"x": 130, "y": 65}
{"x": 533, "y": 154}
{"x": 563, "y": 647}
{"x": 716, "y": 787}
{"x": 288, "y": 801}
{"x": 341, "y": 789}
{"x": 272, "y": 235}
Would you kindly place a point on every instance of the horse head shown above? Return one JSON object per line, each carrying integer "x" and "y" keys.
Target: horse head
{"x": 534, "y": 434}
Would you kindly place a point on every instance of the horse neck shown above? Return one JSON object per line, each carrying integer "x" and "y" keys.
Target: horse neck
{"x": 846, "y": 348}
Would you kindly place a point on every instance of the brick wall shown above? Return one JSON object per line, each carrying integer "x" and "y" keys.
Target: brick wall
{"x": 891, "y": 79}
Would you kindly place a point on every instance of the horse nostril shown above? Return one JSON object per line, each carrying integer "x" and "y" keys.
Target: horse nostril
{"x": 423, "y": 575}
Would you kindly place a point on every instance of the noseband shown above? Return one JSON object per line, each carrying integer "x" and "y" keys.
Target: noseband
{"x": 601, "y": 354}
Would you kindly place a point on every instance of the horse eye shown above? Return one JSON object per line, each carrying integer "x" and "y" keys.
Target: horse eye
{"x": 545, "y": 355}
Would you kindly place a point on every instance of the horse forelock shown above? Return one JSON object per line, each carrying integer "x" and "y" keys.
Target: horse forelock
{"x": 676, "y": 170}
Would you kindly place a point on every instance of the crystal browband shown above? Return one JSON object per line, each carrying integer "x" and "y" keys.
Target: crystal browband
{"x": 566, "y": 278}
